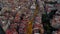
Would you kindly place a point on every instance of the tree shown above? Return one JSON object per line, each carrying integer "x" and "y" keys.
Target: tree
{"x": 46, "y": 22}
{"x": 1, "y": 30}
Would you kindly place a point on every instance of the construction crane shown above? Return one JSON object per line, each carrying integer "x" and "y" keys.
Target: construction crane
{"x": 29, "y": 28}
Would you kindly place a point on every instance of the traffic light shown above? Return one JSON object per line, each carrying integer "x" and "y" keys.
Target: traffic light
{"x": 0, "y": 8}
